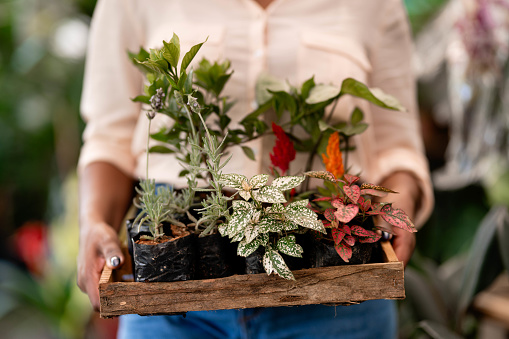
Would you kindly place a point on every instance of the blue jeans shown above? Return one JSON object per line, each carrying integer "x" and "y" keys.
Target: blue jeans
{"x": 370, "y": 319}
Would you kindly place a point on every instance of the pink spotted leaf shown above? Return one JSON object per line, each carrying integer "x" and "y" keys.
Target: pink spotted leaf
{"x": 352, "y": 192}
{"x": 349, "y": 239}
{"x": 337, "y": 235}
{"x": 397, "y": 217}
{"x": 344, "y": 251}
{"x": 345, "y": 213}
{"x": 329, "y": 214}
{"x": 351, "y": 178}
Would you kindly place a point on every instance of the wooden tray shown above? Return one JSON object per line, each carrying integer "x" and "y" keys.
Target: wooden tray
{"x": 339, "y": 285}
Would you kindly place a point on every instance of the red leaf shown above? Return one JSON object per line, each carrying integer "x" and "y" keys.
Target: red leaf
{"x": 323, "y": 199}
{"x": 351, "y": 178}
{"x": 344, "y": 251}
{"x": 345, "y": 213}
{"x": 358, "y": 230}
{"x": 349, "y": 239}
{"x": 329, "y": 214}
{"x": 371, "y": 239}
{"x": 337, "y": 235}
{"x": 326, "y": 224}
{"x": 346, "y": 229}
{"x": 398, "y": 218}
{"x": 352, "y": 192}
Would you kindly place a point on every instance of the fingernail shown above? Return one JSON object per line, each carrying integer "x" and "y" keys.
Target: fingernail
{"x": 114, "y": 261}
{"x": 386, "y": 235}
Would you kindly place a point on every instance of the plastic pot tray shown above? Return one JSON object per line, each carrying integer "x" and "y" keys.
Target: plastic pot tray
{"x": 337, "y": 285}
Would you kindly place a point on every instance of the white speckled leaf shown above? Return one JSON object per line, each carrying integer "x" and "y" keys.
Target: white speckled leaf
{"x": 245, "y": 194}
{"x": 274, "y": 262}
{"x": 303, "y": 203}
{"x": 246, "y": 248}
{"x": 270, "y": 224}
{"x": 288, "y": 246}
{"x": 269, "y": 194}
{"x": 258, "y": 180}
{"x": 251, "y": 232}
{"x": 288, "y": 182}
{"x": 233, "y": 180}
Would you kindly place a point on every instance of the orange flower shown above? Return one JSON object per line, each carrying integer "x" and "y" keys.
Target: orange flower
{"x": 334, "y": 159}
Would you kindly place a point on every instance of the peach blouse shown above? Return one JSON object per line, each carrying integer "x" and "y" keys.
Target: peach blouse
{"x": 368, "y": 40}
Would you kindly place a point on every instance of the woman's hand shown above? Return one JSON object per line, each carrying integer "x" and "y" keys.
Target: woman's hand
{"x": 407, "y": 199}
{"x": 105, "y": 196}
{"x": 99, "y": 245}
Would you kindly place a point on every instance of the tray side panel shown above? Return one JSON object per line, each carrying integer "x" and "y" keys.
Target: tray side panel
{"x": 326, "y": 285}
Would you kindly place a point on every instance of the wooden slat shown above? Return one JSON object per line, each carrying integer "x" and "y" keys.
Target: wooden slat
{"x": 388, "y": 252}
{"x": 327, "y": 285}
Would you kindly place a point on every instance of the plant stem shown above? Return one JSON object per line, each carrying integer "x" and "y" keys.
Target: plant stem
{"x": 148, "y": 142}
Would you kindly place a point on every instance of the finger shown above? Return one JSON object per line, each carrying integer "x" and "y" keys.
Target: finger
{"x": 110, "y": 249}
{"x": 404, "y": 245}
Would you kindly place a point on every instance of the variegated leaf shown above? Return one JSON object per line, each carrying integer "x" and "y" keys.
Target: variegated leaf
{"x": 275, "y": 208}
{"x": 324, "y": 175}
{"x": 316, "y": 225}
{"x": 238, "y": 237}
{"x": 251, "y": 232}
{"x": 222, "y": 229}
{"x": 329, "y": 214}
{"x": 288, "y": 246}
{"x": 345, "y": 213}
{"x": 238, "y": 221}
{"x": 360, "y": 231}
{"x": 246, "y": 195}
{"x": 350, "y": 179}
{"x": 274, "y": 262}
{"x": 258, "y": 180}
{"x": 373, "y": 192}
{"x": 373, "y": 237}
{"x": 269, "y": 194}
{"x": 349, "y": 239}
{"x": 377, "y": 188}
{"x": 233, "y": 180}
{"x": 246, "y": 248}
{"x": 241, "y": 206}
{"x": 397, "y": 217}
{"x": 352, "y": 192}
{"x": 288, "y": 182}
{"x": 344, "y": 251}
{"x": 304, "y": 203}
{"x": 345, "y": 228}
{"x": 289, "y": 226}
{"x": 270, "y": 224}
{"x": 337, "y": 235}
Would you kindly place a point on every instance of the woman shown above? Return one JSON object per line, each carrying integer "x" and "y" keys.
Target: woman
{"x": 368, "y": 40}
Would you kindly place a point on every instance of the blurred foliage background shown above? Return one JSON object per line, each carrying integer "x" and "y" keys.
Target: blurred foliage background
{"x": 42, "y": 49}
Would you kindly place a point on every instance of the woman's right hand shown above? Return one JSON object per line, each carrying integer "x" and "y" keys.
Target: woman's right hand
{"x": 105, "y": 195}
{"x": 99, "y": 245}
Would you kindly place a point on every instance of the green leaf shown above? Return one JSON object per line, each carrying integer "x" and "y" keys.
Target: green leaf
{"x": 287, "y": 182}
{"x": 171, "y": 53}
{"x": 258, "y": 180}
{"x": 142, "y": 98}
{"x": 480, "y": 259}
{"x": 268, "y": 194}
{"x": 288, "y": 246}
{"x": 503, "y": 239}
{"x": 273, "y": 262}
{"x": 321, "y": 93}
{"x": 323, "y": 126}
{"x": 189, "y": 56}
{"x": 284, "y": 101}
{"x": 266, "y": 83}
{"x": 375, "y": 96}
{"x": 357, "y": 116}
{"x": 437, "y": 330}
{"x": 160, "y": 149}
{"x": 154, "y": 66}
{"x": 269, "y": 223}
{"x": 233, "y": 180}
{"x": 248, "y": 151}
{"x": 307, "y": 86}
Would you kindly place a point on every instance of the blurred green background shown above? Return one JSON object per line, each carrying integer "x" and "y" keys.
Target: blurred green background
{"x": 42, "y": 49}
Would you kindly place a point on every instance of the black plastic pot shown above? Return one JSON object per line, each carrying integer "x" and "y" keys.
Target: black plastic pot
{"x": 167, "y": 261}
{"x": 214, "y": 257}
{"x": 254, "y": 262}
{"x": 323, "y": 254}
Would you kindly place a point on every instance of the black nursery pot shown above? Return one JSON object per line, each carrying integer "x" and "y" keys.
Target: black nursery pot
{"x": 324, "y": 254}
{"x": 171, "y": 260}
{"x": 214, "y": 258}
{"x": 254, "y": 262}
